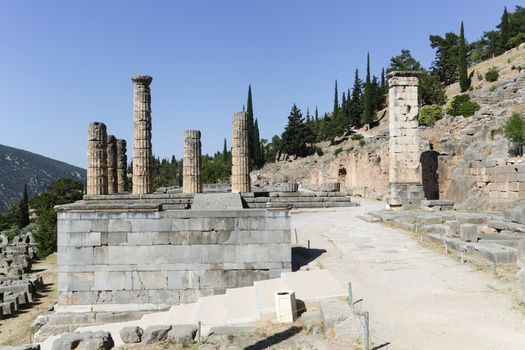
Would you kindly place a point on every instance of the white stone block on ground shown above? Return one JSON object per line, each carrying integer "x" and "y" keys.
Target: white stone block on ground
{"x": 265, "y": 292}
{"x": 313, "y": 285}
{"x": 153, "y": 319}
{"x": 182, "y": 314}
{"x": 210, "y": 310}
{"x": 241, "y": 306}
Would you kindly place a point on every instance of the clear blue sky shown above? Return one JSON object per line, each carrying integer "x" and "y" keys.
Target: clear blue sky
{"x": 67, "y": 63}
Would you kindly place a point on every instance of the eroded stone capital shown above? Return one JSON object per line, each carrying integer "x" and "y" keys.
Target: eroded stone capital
{"x": 142, "y": 79}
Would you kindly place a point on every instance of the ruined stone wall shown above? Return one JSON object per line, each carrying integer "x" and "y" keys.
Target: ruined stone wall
{"x": 148, "y": 257}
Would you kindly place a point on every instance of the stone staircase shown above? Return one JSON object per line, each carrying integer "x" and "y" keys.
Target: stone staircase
{"x": 245, "y": 305}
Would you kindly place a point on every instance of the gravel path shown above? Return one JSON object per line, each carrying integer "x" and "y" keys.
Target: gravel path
{"x": 417, "y": 298}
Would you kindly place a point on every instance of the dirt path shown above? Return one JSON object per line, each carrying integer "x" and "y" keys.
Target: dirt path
{"x": 417, "y": 298}
{"x": 16, "y": 330}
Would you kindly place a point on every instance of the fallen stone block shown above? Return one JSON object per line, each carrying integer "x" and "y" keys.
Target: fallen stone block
{"x": 8, "y": 308}
{"x": 86, "y": 340}
{"x": 468, "y": 232}
{"x": 496, "y": 252}
{"x": 350, "y": 330}
{"x": 312, "y": 322}
{"x": 154, "y": 334}
{"x": 21, "y": 347}
{"x": 131, "y": 334}
{"x": 334, "y": 310}
{"x": 184, "y": 333}
{"x": 429, "y": 219}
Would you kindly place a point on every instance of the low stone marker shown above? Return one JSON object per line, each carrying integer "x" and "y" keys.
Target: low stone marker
{"x": 218, "y": 201}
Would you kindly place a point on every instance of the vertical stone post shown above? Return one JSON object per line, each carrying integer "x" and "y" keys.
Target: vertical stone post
{"x": 192, "y": 163}
{"x": 97, "y": 171}
{"x": 122, "y": 166}
{"x": 240, "y": 154}
{"x": 111, "y": 151}
{"x": 404, "y": 177}
{"x": 142, "y": 153}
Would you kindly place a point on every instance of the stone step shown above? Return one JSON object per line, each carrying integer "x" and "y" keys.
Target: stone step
{"x": 241, "y": 306}
{"x": 313, "y": 285}
{"x": 265, "y": 295}
{"x": 210, "y": 311}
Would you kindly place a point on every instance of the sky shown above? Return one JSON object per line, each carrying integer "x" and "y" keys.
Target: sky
{"x": 65, "y": 63}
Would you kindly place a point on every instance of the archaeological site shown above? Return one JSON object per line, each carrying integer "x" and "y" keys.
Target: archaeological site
{"x": 394, "y": 220}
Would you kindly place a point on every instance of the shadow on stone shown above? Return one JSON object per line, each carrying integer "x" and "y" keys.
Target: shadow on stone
{"x": 429, "y": 173}
{"x": 274, "y": 339}
{"x": 302, "y": 256}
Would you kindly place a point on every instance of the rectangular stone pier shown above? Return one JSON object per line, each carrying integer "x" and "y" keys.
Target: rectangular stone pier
{"x": 133, "y": 254}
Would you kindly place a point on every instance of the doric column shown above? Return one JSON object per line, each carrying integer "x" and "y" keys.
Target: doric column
{"x": 192, "y": 164}
{"x": 97, "y": 171}
{"x": 112, "y": 164}
{"x": 404, "y": 175}
{"x": 142, "y": 153}
{"x": 240, "y": 154}
{"x": 122, "y": 166}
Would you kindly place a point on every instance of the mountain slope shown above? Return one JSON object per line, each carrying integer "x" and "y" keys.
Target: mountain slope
{"x": 19, "y": 167}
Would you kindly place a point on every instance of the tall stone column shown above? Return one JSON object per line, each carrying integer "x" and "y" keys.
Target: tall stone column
{"x": 240, "y": 154}
{"x": 142, "y": 153}
{"x": 404, "y": 177}
{"x": 111, "y": 151}
{"x": 122, "y": 166}
{"x": 97, "y": 170}
{"x": 192, "y": 164}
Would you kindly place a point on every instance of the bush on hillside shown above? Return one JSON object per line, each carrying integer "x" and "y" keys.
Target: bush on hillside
{"x": 514, "y": 128}
{"x": 461, "y": 105}
{"x": 429, "y": 114}
{"x": 492, "y": 74}
{"x": 357, "y": 137}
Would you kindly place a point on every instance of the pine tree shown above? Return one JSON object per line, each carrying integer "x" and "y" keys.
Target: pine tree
{"x": 356, "y": 102}
{"x": 368, "y": 116}
{"x": 504, "y": 31}
{"x": 293, "y": 137}
{"x": 464, "y": 80}
{"x": 23, "y": 213}
{"x": 336, "y": 102}
{"x": 256, "y": 145}
{"x": 249, "y": 111}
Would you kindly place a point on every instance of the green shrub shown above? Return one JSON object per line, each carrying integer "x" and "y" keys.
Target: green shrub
{"x": 356, "y": 137}
{"x": 317, "y": 150}
{"x": 492, "y": 74}
{"x": 429, "y": 114}
{"x": 46, "y": 233}
{"x": 514, "y": 128}
{"x": 337, "y": 151}
{"x": 362, "y": 142}
{"x": 461, "y": 105}
{"x": 492, "y": 88}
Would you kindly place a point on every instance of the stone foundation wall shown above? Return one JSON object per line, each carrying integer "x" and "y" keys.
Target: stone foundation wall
{"x": 135, "y": 254}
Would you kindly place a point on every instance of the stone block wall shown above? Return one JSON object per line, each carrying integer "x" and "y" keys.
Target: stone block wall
{"x": 501, "y": 179}
{"x": 154, "y": 258}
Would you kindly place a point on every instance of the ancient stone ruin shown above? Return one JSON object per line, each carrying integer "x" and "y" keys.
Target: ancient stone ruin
{"x": 142, "y": 153}
{"x": 112, "y": 164}
{"x": 97, "y": 179}
{"x": 122, "y": 166}
{"x": 192, "y": 165}
{"x": 404, "y": 177}
{"x": 240, "y": 154}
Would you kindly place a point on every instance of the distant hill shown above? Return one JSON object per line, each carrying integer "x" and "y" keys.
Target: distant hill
{"x": 19, "y": 167}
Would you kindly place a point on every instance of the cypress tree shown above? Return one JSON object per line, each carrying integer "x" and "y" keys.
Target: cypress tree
{"x": 249, "y": 110}
{"x": 316, "y": 114}
{"x": 23, "y": 214}
{"x": 256, "y": 145}
{"x": 308, "y": 119}
{"x": 336, "y": 102}
{"x": 464, "y": 81}
{"x": 225, "y": 151}
{"x": 263, "y": 155}
{"x": 367, "y": 104}
{"x": 356, "y": 102}
{"x": 504, "y": 31}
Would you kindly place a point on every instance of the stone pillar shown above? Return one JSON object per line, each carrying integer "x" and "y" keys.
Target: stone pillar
{"x": 122, "y": 166}
{"x": 97, "y": 170}
{"x": 240, "y": 154}
{"x": 192, "y": 163}
{"x": 111, "y": 151}
{"x": 404, "y": 177}
{"x": 142, "y": 153}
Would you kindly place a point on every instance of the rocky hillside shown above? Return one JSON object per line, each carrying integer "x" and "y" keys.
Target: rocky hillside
{"x": 464, "y": 144}
{"x": 19, "y": 167}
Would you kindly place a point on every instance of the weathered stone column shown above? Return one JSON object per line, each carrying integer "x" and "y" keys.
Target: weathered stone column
{"x": 240, "y": 154}
{"x": 122, "y": 166}
{"x": 192, "y": 164}
{"x": 404, "y": 177}
{"x": 142, "y": 153}
{"x": 111, "y": 151}
{"x": 97, "y": 170}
